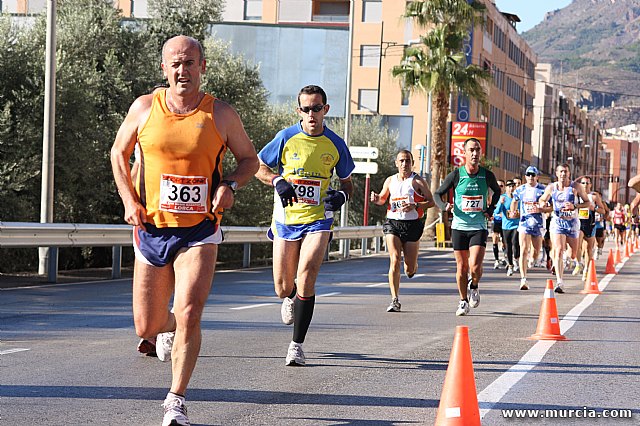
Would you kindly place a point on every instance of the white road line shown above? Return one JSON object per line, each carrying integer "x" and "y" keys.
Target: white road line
{"x": 493, "y": 393}
{"x": 443, "y": 269}
{"x": 377, "y": 285}
{"x": 257, "y": 305}
{"x": 11, "y": 351}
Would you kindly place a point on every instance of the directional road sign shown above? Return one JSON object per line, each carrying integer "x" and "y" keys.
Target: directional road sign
{"x": 362, "y": 168}
{"x": 365, "y": 152}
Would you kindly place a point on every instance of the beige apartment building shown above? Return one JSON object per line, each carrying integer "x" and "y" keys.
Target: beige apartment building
{"x": 380, "y": 35}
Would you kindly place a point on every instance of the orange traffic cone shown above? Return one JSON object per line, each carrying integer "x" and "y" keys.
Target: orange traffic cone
{"x": 618, "y": 259}
{"x": 548, "y": 323}
{"x": 611, "y": 267}
{"x": 626, "y": 250}
{"x": 631, "y": 249}
{"x": 459, "y": 401}
{"x": 637, "y": 243}
{"x": 591, "y": 284}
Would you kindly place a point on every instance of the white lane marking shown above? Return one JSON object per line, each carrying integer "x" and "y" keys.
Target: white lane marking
{"x": 335, "y": 293}
{"x": 377, "y": 285}
{"x": 257, "y": 305}
{"x": 11, "y": 351}
{"x": 493, "y": 393}
{"x": 443, "y": 269}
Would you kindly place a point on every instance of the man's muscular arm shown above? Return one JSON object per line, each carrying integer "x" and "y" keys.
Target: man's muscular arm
{"x": 134, "y": 213}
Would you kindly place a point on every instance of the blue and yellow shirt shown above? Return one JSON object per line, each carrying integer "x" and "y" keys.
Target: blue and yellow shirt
{"x": 307, "y": 162}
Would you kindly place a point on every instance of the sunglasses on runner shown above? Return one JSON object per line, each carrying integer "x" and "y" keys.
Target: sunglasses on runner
{"x": 315, "y": 108}
{"x": 530, "y": 174}
{"x": 584, "y": 182}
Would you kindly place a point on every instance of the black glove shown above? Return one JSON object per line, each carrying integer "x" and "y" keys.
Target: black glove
{"x": 334, "y": 200}
{"x": 285, "y": 191}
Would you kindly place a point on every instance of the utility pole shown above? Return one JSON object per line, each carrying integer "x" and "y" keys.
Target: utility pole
{"x": 46, "y": 261}
{"x": 344, "y": 211}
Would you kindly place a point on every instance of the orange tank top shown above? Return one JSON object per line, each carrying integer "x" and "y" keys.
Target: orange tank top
{"x": 180, "y": 164}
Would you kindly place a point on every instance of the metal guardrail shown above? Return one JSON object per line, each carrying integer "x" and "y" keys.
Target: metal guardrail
{"x": 54, "y": 235}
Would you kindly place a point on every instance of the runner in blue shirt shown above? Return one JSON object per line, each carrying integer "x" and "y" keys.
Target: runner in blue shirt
{"x": 531, "y": 223}
{"x": 496, "y": 235}
{"x": 510, "y": 219}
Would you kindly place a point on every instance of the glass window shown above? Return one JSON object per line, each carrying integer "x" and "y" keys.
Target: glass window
{"x": 372, "y": 11}
{"x": 368, "y": 100}
{"x": 252, "y": 10}
{"x": 369, "y": 56}
{"x": 331, "y": 11}
{"x": 406, "y": 94}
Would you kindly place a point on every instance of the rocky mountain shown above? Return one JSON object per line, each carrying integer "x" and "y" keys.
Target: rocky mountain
{"x": 594, "y": 46}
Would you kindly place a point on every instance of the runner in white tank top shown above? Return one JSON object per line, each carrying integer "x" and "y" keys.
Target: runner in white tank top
{"x": 408, "y": 196}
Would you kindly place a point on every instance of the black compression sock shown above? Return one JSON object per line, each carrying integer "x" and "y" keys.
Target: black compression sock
{"x": 302, "y": 312}
{"x": 293, "y": 293}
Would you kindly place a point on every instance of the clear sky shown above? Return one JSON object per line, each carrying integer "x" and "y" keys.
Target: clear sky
{"x": 530, "y": 12}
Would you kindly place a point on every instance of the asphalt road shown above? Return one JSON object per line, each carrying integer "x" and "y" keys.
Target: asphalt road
{"x": 68, "y": 357}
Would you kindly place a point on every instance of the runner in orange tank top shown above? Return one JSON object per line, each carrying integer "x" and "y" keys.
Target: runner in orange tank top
{"x": 176, "y": 204}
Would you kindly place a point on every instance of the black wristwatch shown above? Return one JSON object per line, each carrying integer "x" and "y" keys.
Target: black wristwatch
{"x": 232, "y": 184}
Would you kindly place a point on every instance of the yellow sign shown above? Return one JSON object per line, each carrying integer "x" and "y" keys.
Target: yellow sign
{"x": 439, "y": 234}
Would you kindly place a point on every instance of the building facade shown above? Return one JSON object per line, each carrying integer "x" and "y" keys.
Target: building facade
{"x": 621, "y": 145}
{"x": 564, "y": 133}
{"x": 298, "y": 42}
{"x": 380, "y": 35}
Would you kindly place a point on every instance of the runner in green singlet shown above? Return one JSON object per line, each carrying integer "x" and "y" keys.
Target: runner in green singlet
{"x": 471, "y": 184}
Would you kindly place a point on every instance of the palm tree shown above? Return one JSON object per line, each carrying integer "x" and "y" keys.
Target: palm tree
{"x": 438, "y": 66}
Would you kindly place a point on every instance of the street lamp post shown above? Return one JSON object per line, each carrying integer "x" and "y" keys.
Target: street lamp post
{"x": 344, "y": 244}
{"x": 48, "y": 258}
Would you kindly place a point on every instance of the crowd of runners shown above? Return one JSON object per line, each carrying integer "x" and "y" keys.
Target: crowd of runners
{"x": 176, "y": 192}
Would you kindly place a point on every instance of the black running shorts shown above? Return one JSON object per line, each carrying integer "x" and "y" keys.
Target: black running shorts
{"x": 406, "y": 230}
{"x": 462, "y": 240}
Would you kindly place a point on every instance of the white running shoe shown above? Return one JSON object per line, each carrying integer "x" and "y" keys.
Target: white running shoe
{"x": 394, "y": 306}
{"x": 523, "y": 284}
{"x": 578, "y": 269}
{"x": 463, "y": 308}
{"x": 516, "y": 268}
{"x": 509, "y": 270}
{"x": 559, "y": 287}
{"x": 286, "y": 311}
{"x": 496, "y": 264}
{"x": 474, "y": 297}
{"x": 295, "y": 355}
{"x": 175, "y": 412}
{"x": 164, "y": 344}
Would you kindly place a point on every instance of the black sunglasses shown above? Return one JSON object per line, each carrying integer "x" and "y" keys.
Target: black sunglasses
{"x": 530, "y": 174}
{"x": 584, "y": 182}
{"x": 315, "y": 108}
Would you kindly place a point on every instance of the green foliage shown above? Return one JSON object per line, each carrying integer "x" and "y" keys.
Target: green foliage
{"x": 103, "y": 64}
{"x": 21, "y": 104}
{"x": 170, "y": 18}
{"x": 365, "y": 130}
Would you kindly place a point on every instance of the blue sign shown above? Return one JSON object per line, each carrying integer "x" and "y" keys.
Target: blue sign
{"x": 463, "y": 101}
